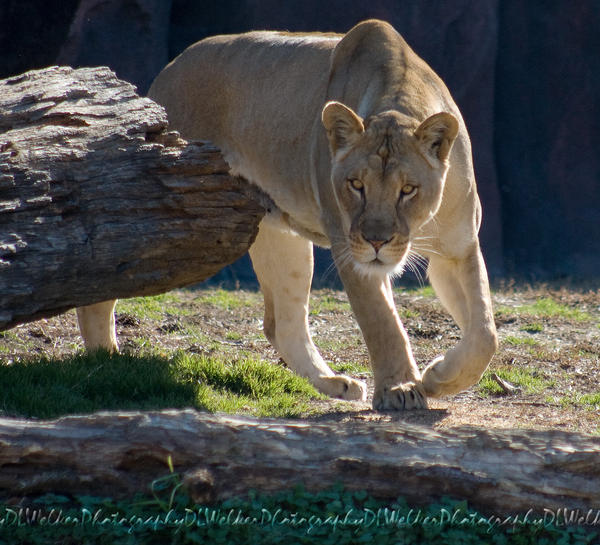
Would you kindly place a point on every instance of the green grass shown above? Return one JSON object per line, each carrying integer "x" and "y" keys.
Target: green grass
{"x": 253, "y": 386}
{"x": 196, "y": 334}
{"x": 587, "y": 401}
{"x": 335, "y": 344}
{"x": 231, "y": 300}
{"x": 534, "y": 327}
{"x": 8, "y": 335}
{"x": 87, "y": 383}
{"x": 530, "y": 380}
{"x": 546, "y": 308}
{"x": 328, "y": 303}
{"x": 520, "y": 341}
{"x": 408, "y": 313}
{"x": 11, "y": 337}
{"x": 352, "y": 368}
{"x": 423, "y": 291}
{"x": 154, "y": 307}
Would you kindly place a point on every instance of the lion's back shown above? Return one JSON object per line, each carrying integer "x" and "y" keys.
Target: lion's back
{"x": 259, "y": 82}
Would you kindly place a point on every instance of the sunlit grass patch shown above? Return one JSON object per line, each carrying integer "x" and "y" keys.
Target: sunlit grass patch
{"x": 407, "y": 313}
{"x": 153, "y": 307}
{"x": 8, "y": 335}
{"x": 196, "y": 334}
{"x": 545, "y": 308}
{"x": 247, "y": 385}
{"x": 530, "y": 380}
{"x": 231, "y": 300}
{"x": 519, "y": 341}
{"x": 87, "y": 383}
{"x": 252, "y": 377}
{"x": 10, "y": 339}
{"x": 328, "y": 303}
{"x": 334, "y": 344}
{"x": 423, "y": 291}
{"x": 588, "y": 401}
{"x": 352, "y": 368}
{"x": 534, "y": 327}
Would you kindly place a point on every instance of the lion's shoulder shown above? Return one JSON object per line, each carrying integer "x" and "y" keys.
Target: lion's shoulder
{"x": 372, "y": 38}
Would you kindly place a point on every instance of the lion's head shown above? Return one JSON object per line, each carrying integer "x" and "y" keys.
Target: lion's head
{"x": 388, "y": 174}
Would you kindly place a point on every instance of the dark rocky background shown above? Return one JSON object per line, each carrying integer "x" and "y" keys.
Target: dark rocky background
{"x": 526, "y": 76}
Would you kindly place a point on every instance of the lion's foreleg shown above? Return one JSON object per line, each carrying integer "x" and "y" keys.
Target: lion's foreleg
{"x": 283, "y": 262}
{"x": 462, "y": 286}
{"x": 397, "y": 378}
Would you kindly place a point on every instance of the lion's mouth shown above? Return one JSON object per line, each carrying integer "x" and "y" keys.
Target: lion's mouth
{"x": 375, "y": 267}
{"x": 381, "y": 263}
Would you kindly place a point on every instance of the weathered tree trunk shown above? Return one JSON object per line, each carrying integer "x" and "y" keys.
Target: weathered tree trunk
{"x": 99, "y": 200}
{"x": 221, "y": 456}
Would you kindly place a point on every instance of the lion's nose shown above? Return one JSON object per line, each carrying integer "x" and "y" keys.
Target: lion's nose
{"x": 377, "y": 244}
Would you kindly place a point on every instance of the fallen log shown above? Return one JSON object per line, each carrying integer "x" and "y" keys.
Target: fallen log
{"x": 219, "y": 456}
{"x": 99, "y": 200}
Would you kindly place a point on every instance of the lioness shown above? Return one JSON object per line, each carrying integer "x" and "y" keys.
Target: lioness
{"x": 363, "y": 150}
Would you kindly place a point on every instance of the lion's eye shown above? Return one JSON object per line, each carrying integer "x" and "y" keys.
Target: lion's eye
{"x": 408, "y": 190}
{"x": 356, "y": 184}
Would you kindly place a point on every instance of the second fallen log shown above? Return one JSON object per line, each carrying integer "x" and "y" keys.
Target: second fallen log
{"x": 99, "y": 200}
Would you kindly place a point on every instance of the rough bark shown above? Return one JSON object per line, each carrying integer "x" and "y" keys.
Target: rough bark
{"x": 99, "y": 200}
{"x": 219, "y": 456}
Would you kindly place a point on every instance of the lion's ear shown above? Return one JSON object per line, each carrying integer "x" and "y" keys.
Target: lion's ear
{"x": 436, "y": 135}
{"x": 342, "y": 124}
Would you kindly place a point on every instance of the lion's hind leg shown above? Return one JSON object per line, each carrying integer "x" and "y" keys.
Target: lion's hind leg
{"x": 283, "y": 263}
{"x": 97, "y": 326}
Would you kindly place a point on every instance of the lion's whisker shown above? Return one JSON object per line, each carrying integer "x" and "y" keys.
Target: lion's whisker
{"x": 414, "y": 263}
{"x": 426, "y": 250}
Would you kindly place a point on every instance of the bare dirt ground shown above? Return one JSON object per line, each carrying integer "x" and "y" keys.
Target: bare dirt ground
{"x": 558, "y": 348}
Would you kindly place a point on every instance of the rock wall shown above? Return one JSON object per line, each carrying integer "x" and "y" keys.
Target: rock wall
{"x": 130, "y": 36}
{"x": 527, "y": 80}
{"x": 547, "y": 126}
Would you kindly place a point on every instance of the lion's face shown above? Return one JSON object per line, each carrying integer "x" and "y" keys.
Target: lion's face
{"x": 388, "y": 174}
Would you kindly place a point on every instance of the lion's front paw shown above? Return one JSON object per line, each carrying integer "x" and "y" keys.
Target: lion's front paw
{"x": 432, "y": 382}
{"x": 400, "y": 398}
{"x": 343, "y": 387}
{"x": 440, "y": 379}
